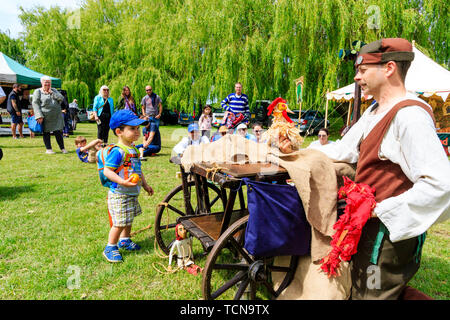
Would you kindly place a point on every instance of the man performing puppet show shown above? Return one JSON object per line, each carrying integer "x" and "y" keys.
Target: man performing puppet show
{"x": 400, "y": 157}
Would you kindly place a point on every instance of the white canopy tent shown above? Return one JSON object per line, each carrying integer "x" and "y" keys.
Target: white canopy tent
{"x": 425, "y": 77}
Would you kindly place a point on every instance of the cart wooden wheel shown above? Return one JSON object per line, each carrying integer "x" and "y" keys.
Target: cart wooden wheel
{"x": 173, "y": 206}
{"x": 230, "y": 271}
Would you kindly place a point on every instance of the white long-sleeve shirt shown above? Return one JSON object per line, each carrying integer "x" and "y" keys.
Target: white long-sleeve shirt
{"x": 411, "y": 142}
{"x": 187, "y": 141}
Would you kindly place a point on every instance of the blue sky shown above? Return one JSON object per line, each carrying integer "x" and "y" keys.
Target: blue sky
{"x": 9, "y": 12}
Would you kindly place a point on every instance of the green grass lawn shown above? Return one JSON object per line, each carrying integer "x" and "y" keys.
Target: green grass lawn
{"x": 53, "y": 214}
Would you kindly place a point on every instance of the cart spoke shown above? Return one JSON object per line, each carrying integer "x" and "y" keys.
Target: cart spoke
{"x": 238, "y": 277}
{"x": 169, "y": 226}
{"x": 278, "y": 268}
{"x": 171, "y": 244}
{"x": 240, "y": 249}
{"x": 241, "y": 289}
{"x": 175, "y": 209}
{"x": 231, "y": 266}
{"x": 270, "y": 288}
{"x": 214, "y": 200}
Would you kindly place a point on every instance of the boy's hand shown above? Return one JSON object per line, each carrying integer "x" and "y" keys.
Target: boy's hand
{"x": 148, "y": 189}
{"x": 128, "y": 183}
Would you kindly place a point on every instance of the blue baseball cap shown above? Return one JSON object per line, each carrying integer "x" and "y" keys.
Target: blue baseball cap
{"x": 125, "y": 117}
{"x": 193, "y": 127}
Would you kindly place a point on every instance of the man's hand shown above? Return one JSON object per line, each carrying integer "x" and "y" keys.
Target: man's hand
{"x": 18, "y": 113}
{"x": 285, "y": 145}
{"x": 40, "y": 120}
{"x": 157, "y": 116}
{"x": 373, "y": 214}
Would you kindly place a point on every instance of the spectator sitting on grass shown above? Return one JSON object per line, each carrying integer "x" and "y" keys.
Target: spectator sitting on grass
{"x": 86, "y": 152}
{"x": 258, "y": 131}
{"x": 193, "y": 138}
{"x": 242, "y": 131}
{"x": 322, "y": 141}
{"x": 221, "y": 132}
{"x": 152, "y": 140}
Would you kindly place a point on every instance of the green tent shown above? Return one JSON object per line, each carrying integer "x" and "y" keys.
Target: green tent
{"x": 13, "y": 72}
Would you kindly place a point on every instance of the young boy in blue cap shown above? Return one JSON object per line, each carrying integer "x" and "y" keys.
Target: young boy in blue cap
{"x": 193, "y": 138}
{"x": 119, "y": 165}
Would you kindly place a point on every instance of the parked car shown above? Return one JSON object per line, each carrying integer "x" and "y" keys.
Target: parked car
{"x": 89, "y": 111}
{"x": 82, "y": 115}
{"x": 168, "y": 117}
{"x": 259, "y": 113}
{"x": 311, "y": 121}
{"x": 217, "y": 117}
{"x": 185, "y": 118}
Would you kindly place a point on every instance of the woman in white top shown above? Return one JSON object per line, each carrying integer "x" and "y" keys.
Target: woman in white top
{"x": 323, "y": 139}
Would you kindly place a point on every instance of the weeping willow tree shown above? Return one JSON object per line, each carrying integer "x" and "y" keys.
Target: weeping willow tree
{"x": 13, "y": 48}
{"x": 193, "y": 51}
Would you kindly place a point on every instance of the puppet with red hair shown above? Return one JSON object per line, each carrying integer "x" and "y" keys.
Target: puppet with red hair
{"x": 184, "y": 255}
{"x": 282, "y": 125}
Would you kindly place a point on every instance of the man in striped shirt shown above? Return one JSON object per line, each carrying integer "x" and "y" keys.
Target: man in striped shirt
{"x": 236, "y": 107}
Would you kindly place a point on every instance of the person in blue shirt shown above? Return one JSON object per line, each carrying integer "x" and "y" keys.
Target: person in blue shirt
{"x": 236, "y": 107}
{"x": 152, "y": 140}
{"x": 242, "y": 131}
{"x": 103, "y": 109}
{"x": 84, "y": 148}
{"x": 120, "y": 165}
{"x": 221, "y": 133}
{"x": 194, "y": 138}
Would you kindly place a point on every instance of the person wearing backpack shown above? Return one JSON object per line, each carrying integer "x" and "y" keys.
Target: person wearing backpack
{"x": 120, "y": 162}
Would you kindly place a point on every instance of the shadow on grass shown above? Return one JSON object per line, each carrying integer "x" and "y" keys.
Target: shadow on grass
{"x": 21, "y": 147}
{"x": 148, "y": 244}
{"x": 11, "y": 193}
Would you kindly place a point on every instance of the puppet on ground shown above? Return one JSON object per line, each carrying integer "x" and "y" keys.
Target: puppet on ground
{"x": 282, "y": 125}
{"x": 183, "y": 246}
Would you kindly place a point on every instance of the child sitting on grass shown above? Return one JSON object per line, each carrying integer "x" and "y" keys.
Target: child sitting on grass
{"x": 120, "y": 164}
{"x": 86, "y": 152}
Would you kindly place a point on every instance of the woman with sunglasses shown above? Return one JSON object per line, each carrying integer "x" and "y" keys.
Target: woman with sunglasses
{"x": 323, "y": 139}
{"x": 258, "y": 131}
{"x": 103, "y": 110}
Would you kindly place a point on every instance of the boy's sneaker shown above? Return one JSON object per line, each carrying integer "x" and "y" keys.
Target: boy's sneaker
{"x": 128, "y": 245}
{"x": 112, "y": 254}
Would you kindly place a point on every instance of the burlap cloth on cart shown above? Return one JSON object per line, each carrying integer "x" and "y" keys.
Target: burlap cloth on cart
{"x": 316, "y": 178}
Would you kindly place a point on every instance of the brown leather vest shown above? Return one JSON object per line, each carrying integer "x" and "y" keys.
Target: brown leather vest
{"x": 385, "y": 176}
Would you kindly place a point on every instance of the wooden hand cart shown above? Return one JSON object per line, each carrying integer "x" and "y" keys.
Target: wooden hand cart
{"x": 204, "y": 204}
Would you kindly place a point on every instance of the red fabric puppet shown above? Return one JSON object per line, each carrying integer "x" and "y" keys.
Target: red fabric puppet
{"x": 360, "y": 201}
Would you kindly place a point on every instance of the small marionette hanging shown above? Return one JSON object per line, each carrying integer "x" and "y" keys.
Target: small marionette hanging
{"x": 282, "y": 125}
{"x": 184, "y": 255}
